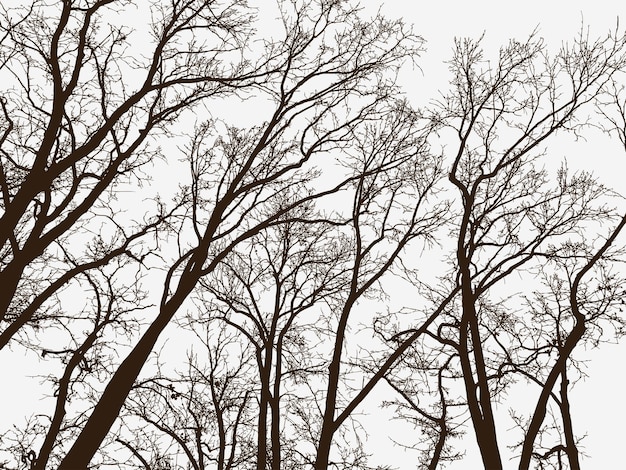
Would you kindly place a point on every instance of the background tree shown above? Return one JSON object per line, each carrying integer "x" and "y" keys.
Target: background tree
{"x": 281, "y": 289}
{"x": 203, "y": 415}
{"x": 270, "y": 294}
{"x": 391, "y": 207}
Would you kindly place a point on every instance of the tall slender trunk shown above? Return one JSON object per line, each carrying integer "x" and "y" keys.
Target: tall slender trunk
{"x": 275, "y": 429}
{"x": 471, "y": 347}
{"x": 275, "y": 407}
{"x": 221, "y": 428}
{"x": 477, "y": 392}
{"x": 570, "y": 442}
{"x": 334, "y": 371}
{"x": 479, "y": 404}
{"x": 265, "y": 369}
{"x": 261, "y": 453}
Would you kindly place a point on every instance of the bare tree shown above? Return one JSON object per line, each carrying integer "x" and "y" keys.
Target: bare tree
{"x": 205, "y": 413}
{"x": 512, "y": 221}
{"x": 278, "y": 288}
{"x": 78, "y": 124}
{"x": 391, "y": 208}
{"x": 270, "y": 294}
{"x": 238, "y": 178}
{"x": 510, "y": 217}
{"x": 266, "y": 288}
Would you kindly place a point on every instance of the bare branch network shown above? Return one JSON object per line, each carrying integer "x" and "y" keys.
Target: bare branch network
{"x": 228, "y": 241}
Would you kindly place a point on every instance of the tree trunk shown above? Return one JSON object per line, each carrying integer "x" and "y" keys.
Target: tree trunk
{"x": 106, "y": 411}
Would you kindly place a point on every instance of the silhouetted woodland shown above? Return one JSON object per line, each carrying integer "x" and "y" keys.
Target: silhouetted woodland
{"x": 230, "y": 240}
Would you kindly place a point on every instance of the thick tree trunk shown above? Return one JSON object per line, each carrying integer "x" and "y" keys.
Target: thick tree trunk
{"x": 108, "y": 408}
{"x": 471, "y": 347}
{"x": 479, "y": 404}
{"x": 275, "y": 407}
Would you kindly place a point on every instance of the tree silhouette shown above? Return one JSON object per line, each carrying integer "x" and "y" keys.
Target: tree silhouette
{"x": 512, "y": 222}
{"x": 220, "y": 239}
